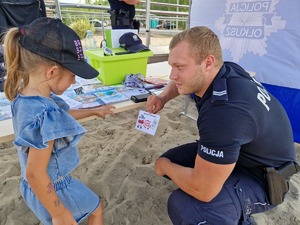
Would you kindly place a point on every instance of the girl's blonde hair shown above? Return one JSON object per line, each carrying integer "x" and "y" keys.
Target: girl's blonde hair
{"x": 19, "y": 63}
{"x": 203, "y": 42}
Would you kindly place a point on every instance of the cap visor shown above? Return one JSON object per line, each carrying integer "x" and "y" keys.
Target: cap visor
{"x": 82, "y": 69}
{"x": 137, "y": 48}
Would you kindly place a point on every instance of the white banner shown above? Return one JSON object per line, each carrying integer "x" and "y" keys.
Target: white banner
{"x": 263, "y": 36}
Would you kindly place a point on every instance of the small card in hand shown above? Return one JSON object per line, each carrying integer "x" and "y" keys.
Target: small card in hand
{"x": 147, "y": 122}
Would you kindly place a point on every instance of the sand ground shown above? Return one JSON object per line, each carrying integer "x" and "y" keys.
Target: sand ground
{"x": 117, "y": 162}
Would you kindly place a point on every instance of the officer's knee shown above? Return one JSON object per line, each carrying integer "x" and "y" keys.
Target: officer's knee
{"x": 176, "y": 210}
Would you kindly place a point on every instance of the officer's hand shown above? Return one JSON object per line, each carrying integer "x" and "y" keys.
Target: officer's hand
{"x": 159, "y": 165}
{"x": 130, "y": 2}
{"x": 155, "y": 103}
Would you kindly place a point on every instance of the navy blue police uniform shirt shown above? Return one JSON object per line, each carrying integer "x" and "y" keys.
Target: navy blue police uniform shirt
{"x": 117, "y": 5}
{"x": 240, "y": 121}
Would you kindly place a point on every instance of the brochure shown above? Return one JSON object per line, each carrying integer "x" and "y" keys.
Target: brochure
{"x": 110, "y": 96}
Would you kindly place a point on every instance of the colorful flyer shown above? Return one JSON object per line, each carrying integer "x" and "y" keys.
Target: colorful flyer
{"x": 147, "y": 122}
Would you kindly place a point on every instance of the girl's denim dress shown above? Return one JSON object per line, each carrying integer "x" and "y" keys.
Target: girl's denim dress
{"x": 37, "y": 120}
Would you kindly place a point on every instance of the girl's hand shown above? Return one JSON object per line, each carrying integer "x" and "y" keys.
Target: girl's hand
{"x": 101, "y": 111}
{"x": 104, "y": 110}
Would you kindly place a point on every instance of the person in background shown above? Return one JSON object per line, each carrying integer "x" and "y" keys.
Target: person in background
{"x": 42, "y": 60}
{"x": 241, "y": 163}
{"x": 122, "y": 14}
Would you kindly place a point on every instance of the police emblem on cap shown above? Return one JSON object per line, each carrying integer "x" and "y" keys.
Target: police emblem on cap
{"x": 135, "y": 38}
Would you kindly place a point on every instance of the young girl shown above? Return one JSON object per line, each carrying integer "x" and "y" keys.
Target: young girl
{"x": 42, "y": 60}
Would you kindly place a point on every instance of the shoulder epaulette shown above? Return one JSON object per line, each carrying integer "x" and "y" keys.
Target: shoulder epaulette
{"x": 219, "y": 92}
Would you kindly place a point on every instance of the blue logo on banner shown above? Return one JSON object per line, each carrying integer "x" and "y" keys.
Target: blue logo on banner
{"x": 245, "y": 26}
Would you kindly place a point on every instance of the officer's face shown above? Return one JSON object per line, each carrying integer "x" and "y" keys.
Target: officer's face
{"x": 189, "y": 76}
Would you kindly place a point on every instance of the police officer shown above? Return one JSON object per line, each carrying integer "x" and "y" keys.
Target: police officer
{"x": 221, "y": 177}
{"x": 122, "y": 14}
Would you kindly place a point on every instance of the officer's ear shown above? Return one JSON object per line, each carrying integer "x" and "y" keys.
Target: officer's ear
{"x": 209, "y": 62}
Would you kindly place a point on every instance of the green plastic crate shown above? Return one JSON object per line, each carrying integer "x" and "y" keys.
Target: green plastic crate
{"x": 113, "y": 69}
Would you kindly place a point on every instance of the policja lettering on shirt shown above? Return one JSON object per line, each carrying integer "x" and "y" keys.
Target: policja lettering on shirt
{"x": 212, "y": 152}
